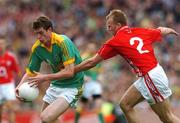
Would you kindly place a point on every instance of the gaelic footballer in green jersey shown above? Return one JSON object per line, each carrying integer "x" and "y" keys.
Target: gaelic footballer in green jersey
{"x": 61, "y": 54}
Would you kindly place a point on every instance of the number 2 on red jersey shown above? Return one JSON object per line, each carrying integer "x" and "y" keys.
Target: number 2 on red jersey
{"x": 139, "y": 46}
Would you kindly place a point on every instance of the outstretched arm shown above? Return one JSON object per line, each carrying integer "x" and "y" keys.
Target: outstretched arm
{"x": 166, "y": 31}
{"x": 89, "y": 63}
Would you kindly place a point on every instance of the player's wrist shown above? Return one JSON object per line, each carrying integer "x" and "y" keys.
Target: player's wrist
{"x": 50, "y": 77}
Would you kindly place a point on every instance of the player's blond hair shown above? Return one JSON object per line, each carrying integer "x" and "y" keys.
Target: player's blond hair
{"x": 118, "y": 16}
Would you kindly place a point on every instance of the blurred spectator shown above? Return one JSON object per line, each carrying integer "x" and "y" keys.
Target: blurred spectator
{"x": 9, "y": 72}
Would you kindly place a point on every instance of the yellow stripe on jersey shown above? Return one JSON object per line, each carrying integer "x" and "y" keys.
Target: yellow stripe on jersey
{"x": 58, "y": 39}
{"x": 30, "y": 73}
{"x": 70, "y": 61}
{"x": 65, "y": 50}
{"x": 36, "y": 44}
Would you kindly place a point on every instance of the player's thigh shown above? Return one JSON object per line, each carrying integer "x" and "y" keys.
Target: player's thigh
{"x": 162, "y": 109}
{"x": 55, "y": 109}
{"x": 70, "y": 94}
{"x": 131, "y": 97}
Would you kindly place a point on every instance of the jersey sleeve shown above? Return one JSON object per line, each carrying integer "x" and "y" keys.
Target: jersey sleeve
{"x": 155, "y": 34}
{"x": 68, "y": 52}
{"x": 107, "y": 51}
{"x": 34, "y": 63}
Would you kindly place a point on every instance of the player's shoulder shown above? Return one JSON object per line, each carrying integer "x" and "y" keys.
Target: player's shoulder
{"x": 59, "y": 38}
{"x": 110, "y": 40}
{"x": 11, "y": 55}
{"x": 35, "y": 45}
{"x": 141, "y": 29}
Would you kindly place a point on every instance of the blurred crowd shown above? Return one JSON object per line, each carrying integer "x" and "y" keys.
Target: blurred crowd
{"x": 84, "y": 22}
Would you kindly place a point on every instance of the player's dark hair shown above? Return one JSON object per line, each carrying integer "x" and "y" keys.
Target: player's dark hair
{"x": 43, "y": 22}
{"x": 118, "y": 16}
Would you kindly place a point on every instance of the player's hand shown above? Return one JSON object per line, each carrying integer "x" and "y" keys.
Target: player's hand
{"x": 166, "y": 30}
{"x": 17, "y": 95}
{"x": 38, "y": 79}
{"x": 174, "y": 32}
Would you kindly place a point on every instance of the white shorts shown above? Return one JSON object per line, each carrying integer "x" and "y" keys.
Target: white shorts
{"x": 154, "y": 86}
{"x": 71, "y": 95}
{"x": 7, "y": 92}
{"x": 92, "y": 88}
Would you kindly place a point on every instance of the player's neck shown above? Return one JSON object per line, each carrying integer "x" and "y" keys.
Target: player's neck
{"x": 48, "y": 44}
{"x": 120, "y": 28}
{"x": 116, "y": 30}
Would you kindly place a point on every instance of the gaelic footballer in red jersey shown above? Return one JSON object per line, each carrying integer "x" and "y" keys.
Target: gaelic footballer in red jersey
{"x": 135, "y": 46}
{"x": 8, "y": 68}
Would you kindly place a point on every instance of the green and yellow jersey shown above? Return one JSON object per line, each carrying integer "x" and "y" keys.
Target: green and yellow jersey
{"x": 62, "y": 52}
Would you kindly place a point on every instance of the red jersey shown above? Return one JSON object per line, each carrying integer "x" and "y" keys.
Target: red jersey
{"x": 135, "y": 46}
{"x": 8, "y": 65}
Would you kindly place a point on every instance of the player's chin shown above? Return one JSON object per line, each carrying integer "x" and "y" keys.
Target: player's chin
{"x": 111, "y": 32}
{"x": 41, "y": 40}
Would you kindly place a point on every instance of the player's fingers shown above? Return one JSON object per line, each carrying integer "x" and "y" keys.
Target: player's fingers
{"x": 33, "y": 84}
{"x": 176, "y": 33}
{"x": 31, "y": 78}
{"x": 20, "y": 98}
{"x": 17, "y": 95}
{"x": 36, "y": 85}
{"x": 17, "y": 92}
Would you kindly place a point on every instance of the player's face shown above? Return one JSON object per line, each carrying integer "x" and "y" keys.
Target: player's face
{"x": 44, "y": 36}
{"x": 111, "y": 26}
{"x": 2, "y": 46}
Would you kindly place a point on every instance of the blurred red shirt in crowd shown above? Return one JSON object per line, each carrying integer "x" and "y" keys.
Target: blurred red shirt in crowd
{"x": 8, "y": 65}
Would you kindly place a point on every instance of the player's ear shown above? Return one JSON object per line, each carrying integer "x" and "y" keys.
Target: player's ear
{"x": 50, "y": 29}
{"x": 119, "y": 24}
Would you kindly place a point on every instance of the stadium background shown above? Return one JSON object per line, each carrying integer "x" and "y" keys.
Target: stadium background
{"x": 84, "y": 22}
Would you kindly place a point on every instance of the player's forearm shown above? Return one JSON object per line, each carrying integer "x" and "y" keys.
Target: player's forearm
{"x": 58, "y": 75}
{"x": 65, "y": 73}
{"x": 24, "y": 78}
{"x": 166, "y": 31}
{"x": 88, "y": 64}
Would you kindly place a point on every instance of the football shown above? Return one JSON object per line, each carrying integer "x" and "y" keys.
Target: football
{"x": 27, "y": 92}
